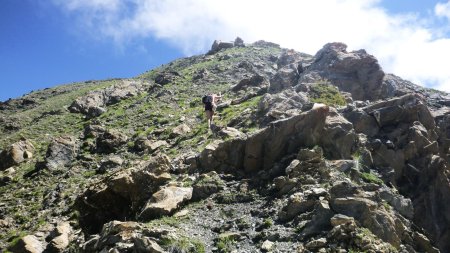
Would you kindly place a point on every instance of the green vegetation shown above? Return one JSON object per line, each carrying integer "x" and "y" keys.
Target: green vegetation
{"x": 371, "y": 178}
{"x": 268, "y": 222}
{"x": 184, "y": 244}
{"x": 327, "y": 94}
{"x": 225, "y": 244}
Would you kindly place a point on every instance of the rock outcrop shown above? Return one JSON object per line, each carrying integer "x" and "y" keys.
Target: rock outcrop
{"x": 262, "y": 149}
{"x": 165, "y": 202}
{"x": 61, "y": 152}
{"x": 356, "y": 72}
{"x": 95, "y": 102}
{"x": 121, "y": 195}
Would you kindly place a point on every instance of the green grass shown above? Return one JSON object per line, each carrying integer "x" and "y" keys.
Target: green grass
{"x": 327, "y": 94}
{"x": 225, "y": 244}
{"x": 184, "y": 244}
{"x": 268, "y": 222}
{"x": 371, "y": 178}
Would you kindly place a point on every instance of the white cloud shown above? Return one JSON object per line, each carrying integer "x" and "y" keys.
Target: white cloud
{"x": 405, "y": 45}
{"x": 442, "y": 10}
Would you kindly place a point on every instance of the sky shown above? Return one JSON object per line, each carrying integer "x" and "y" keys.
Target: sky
{"x": 44, "y": 43}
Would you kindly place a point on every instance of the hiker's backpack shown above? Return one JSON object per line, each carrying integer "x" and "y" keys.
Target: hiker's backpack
{"x": 206, "y": 99}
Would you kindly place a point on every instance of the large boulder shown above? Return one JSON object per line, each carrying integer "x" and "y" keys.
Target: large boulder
{"x": 121, "y": 195}
{"x": 165, "y": 202}
{"x": 16, "y": 154}
{"x": 254, "y": 83}
{"x": 281, "y": 105}
{"x": 355, "y": 72}
{"x": 285, "y": 77}
{"x": 28, "y": 244}
{"x": 59, "y": 238}
{"x": 166, "y": 77}
{"x": 219, "y": 45}
{"x": 110, "y": 141}
{"x": 94, "y": 103}
{"x": 61, "y": 152}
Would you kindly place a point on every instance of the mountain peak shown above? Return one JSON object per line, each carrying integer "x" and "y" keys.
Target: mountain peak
{"x": 305, "y": 152}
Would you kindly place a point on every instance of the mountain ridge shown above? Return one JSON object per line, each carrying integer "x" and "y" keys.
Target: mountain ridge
{"x": 323, "y": 153}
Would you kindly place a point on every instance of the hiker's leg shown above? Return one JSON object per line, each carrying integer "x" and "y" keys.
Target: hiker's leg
{"x": 209, "y": 117}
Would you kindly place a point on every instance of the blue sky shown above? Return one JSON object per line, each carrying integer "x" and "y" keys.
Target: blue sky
{"x": 44, "y": 43}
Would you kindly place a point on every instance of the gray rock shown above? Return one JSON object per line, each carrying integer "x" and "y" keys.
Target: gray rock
{"x": 362, "y": 122}
{"x": 61, "y": 152}
{"x": 320, "y": 220}
{"x": 219, "y": 45}
{"x": 297, "y": 204}
{"x": 94, "y": 103}
{"x": 256, "y": 81}
{"x": 288, "y": 57}
{"x": 316, "y": 244}
{"x": 238, "y": 42}
{"x": 166, "y": 77}
{"x": 110, "y": 163}
{"x": 339, "y": 138}
{"x": 285, "y": 77}
{"x": 401, "y": 204}
{"x": 180, "y": 130}
{"x": 340, "y": 219}
{"x": 110, "y": 141}
{"x": 355, "y": 72}
{"x": 281, "y": 105}
{"x": 262, "y": 149}
{"x": 267, "y": 246}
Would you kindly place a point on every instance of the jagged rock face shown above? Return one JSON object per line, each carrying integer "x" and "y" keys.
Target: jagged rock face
{"x": 16, "y": 154}
{"x": 264, "y": 148}
{"x": 404, "y": 148}
{"x": 356, "y": 72}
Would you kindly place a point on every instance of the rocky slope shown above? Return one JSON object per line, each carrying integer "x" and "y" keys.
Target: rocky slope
{"x": 308, "y": 153}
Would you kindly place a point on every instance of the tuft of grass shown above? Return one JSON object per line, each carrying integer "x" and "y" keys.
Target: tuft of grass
{"x": 267, "y": 222}
{"x": 371, "y": 178}
{"x": 184, "y": 244}
{"x": 327, "y": 94}
{"x": 225, "y": 244}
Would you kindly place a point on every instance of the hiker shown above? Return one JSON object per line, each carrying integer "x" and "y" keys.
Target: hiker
{"x": 210, "y": 106}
